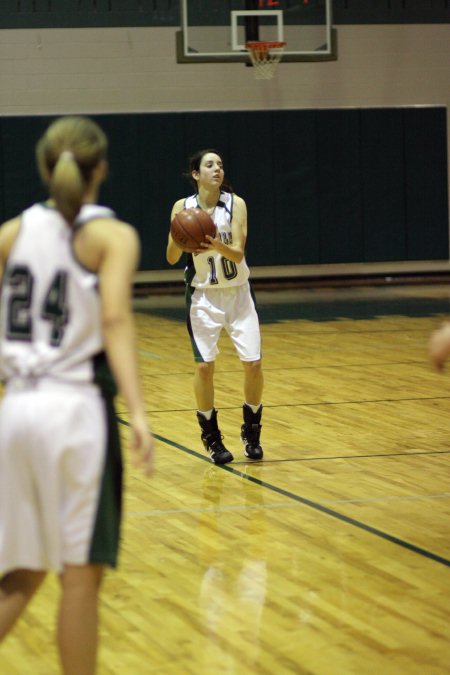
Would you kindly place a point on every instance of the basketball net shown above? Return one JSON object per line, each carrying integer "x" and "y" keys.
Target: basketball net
{"x": 265, "y": 56}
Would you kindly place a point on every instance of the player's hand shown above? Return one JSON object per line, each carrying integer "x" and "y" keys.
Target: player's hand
{"x": 210, "y": 243}
{"x": 439, "y": 346}
{"x": 142, "y": 444}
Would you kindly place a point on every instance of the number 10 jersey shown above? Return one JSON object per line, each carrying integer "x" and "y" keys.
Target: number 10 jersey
{"x": 211, "y": 269}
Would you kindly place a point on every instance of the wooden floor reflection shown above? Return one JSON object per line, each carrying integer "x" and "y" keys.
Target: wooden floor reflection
{"x": 329, "y": 557}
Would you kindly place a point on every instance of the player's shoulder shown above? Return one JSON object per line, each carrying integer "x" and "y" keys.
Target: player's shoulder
{"x": 108, "y": 233}
{"x": 9, "y": 232}
{"x": 180, "y": 201}
{"x": 238, "y": 203}
{"x": 113, "y": 226}
{"x": 178, "y": 205}
{"x": 237, "y": 199}
{"x": 108, "y": 239}
{"x": 8, "y": 225}
{"x": 10, "y": 229}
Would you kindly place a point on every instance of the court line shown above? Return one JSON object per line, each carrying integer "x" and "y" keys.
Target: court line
{"x": 350, "y": 521}
{"x": 311, "y": 504}
{"x": 400, "y": 455}
{"x": 307, "y": 405}
{"x": 150, "y": 355}
{"x": 277, "y": 505}
{"x": 337, "y": 366}
{"x": 211, "y": 509}
{"x": 356, "y": 401}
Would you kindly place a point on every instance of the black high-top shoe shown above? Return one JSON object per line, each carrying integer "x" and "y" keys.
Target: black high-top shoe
{"x": 250, "y": 433}
{"x": 212, "y": 439}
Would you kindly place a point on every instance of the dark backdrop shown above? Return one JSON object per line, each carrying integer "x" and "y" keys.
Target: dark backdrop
{"x": 321, "y": 186}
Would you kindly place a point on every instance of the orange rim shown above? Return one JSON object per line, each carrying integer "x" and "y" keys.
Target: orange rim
{"x": 264, "y": 46}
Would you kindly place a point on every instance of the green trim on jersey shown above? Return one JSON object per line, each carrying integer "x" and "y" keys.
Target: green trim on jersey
{"x": 189, "y": 292}
{"x": 189, "y": 271}
{"x": 106, "y": 535}
{"x": 47, "y": 205}
{"x": 103, "y": 376}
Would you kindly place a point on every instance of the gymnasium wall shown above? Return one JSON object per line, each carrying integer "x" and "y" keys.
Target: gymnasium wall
{"x": 332, "y": 159}
{"x": 324, "y": 186}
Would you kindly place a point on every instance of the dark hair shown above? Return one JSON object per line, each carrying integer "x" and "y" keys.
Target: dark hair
{"x": 67, "y": 155}
{"x": 194, "y": 165}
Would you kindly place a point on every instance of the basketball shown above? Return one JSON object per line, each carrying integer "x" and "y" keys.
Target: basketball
{"x": 190, "y": 227}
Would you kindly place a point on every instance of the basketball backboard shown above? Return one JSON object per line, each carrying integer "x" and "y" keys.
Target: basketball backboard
{"x": 217, "y": 30}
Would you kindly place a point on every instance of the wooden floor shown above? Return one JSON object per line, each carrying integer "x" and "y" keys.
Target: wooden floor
{"x": 331, "y": 556}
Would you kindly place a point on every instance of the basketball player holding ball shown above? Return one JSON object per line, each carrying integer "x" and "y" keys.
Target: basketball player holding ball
{"x": 218, "y": 295}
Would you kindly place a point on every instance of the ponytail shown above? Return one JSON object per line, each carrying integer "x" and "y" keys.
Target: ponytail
{"x": 67, "y": 186}
{"x": 67, "y": 155}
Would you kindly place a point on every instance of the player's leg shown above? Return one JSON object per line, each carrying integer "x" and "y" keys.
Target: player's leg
{"x": 16, "y": 590}
{"x": 244, "y": 330}
{"x": 252, "y": 409}
{"x": 204, "y": 385}
{"x": 207, "y": 414}
{"x": 253, "y": 382}
{"x": 205, "y": 320}
{"x": 89, "y": 522}
{"x": 78, "y": 618}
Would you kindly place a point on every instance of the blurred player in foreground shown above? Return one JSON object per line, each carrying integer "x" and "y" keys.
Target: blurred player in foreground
{"x": 67, "y": 267}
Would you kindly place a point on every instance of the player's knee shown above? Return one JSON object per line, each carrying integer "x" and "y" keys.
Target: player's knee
{"x": 253, "y": 368}
{"x": 205, "y": 371}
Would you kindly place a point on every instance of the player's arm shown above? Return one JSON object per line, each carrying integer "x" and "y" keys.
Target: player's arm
{"x": 236, "y": 250}
{"x": 174, "y": 252}
{"x": 118, "y": 261}
{"x": 8, "y": 235}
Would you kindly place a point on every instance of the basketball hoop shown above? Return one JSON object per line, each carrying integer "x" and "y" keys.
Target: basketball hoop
{"x": 265, "y": 56}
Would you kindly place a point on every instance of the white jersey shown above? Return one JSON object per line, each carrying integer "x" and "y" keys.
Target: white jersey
{"x": 50, "y": 322}
{"x": 211, "y": 269}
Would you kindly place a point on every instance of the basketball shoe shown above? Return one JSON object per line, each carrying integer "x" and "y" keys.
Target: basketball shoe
{"x": 212, "y": 439}
{"x": 251, "y": 432}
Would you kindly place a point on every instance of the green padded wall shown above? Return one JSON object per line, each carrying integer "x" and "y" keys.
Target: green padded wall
{"x": 426, "y": 182}
{"x": 109, "y": 13}
{"x": 295, "y": 187}
{"x": 383, "y": 198}
{"x": 321, "y": 186}
{"x": 339, "y": 189}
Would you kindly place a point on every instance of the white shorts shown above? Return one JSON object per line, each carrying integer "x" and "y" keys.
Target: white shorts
{"x": 53, "y": 450}
{"x": 209, "y": 310}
